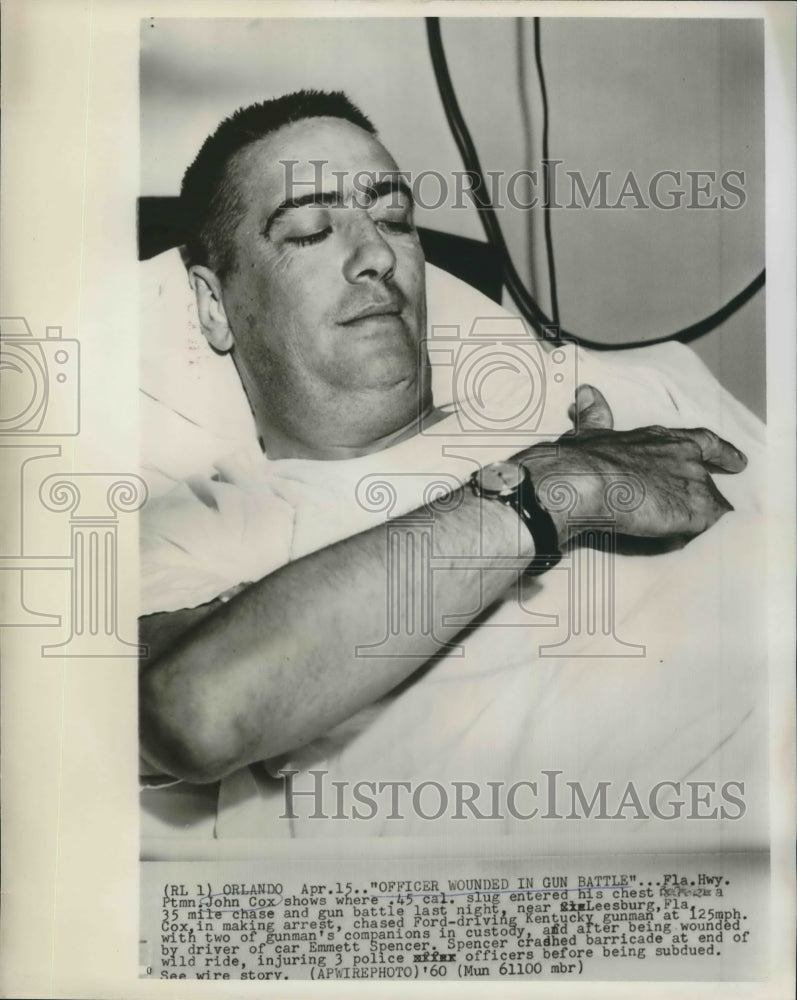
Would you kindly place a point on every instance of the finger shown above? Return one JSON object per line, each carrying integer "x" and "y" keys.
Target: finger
{"x": 591, "y": 411}
{"x": 717, "y": 453}
{"x": 702, "y": 504}
{"x": 720, "y": 504}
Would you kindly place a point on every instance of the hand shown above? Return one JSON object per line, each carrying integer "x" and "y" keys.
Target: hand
{"x": 668, "y": 469}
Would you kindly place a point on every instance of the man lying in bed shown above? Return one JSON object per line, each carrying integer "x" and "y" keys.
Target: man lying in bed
{"x": 314, "y": 280}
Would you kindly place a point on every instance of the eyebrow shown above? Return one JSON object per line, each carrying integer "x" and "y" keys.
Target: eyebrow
{"x": 389, "y": 185}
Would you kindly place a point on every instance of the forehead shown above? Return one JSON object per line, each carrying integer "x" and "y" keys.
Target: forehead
{"x": 312, "y": 154}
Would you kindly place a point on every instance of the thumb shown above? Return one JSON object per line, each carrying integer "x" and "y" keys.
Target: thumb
{"x": 590, "y": 410}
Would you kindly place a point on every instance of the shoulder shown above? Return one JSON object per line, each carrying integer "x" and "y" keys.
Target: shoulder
{"x": 208, "y": 535}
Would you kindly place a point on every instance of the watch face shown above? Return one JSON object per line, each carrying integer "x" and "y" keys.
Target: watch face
{"x": 500, "y": 478}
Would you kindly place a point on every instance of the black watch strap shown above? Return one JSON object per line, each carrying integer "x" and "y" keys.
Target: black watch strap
{"x": 541, "y": 527}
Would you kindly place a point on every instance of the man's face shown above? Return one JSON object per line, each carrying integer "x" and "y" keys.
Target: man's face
{"x": 326, "y": 296}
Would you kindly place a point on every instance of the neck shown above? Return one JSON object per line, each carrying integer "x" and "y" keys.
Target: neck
{"x": 341, "y": 427}
{"x": 277, "y": 445}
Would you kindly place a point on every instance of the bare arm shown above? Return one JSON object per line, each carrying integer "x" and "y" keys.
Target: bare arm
{"x": 276, "y": 666}
{"x": 229, "y": 684}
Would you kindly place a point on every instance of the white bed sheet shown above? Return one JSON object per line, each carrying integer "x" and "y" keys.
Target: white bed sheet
{"x": 693, "y": 708}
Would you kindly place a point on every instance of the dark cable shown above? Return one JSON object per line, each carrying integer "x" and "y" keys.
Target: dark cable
{"x": 528, "y": 306}
{"x": 528, "y": 142}
{"x": 546, "y": 208}
{"x": 471, "y": 160}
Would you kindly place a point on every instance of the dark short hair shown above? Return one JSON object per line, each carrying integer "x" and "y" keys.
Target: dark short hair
{"x": 210, "y": 197}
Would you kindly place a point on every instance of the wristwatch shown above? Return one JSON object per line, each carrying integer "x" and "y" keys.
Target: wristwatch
{"x": 510, "y": 483}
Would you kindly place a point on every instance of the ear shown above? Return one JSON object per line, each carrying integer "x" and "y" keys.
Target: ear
{"x": 210, "y": 308}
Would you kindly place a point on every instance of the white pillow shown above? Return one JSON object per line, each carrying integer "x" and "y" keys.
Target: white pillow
{"x": 194, "y": 410}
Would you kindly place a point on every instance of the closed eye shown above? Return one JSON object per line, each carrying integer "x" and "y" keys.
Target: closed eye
{"x": 309, "y": 240}
{"x": 396, "y": 227}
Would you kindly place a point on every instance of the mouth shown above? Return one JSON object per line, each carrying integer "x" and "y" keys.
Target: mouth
{"x": 374, "y": 311}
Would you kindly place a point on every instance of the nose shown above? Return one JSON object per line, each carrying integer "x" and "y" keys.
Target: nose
{"x": 368, "y": 255}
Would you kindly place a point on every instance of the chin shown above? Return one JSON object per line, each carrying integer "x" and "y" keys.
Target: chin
{"x": 376, "y": 365}
{"x": 389, "y": 375}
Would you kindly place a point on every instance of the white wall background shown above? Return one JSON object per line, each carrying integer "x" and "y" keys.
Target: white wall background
{"x": 641, "y": 95}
